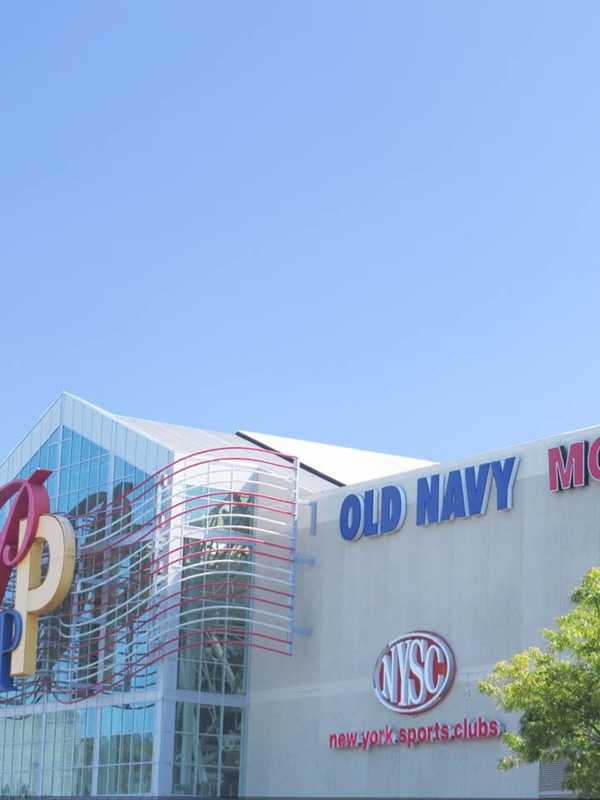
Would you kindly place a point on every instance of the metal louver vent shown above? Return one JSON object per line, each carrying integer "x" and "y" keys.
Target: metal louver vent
{"x": 551, "y": 780}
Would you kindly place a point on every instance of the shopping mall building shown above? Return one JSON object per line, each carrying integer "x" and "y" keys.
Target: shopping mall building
{"x": 191, "y": 613}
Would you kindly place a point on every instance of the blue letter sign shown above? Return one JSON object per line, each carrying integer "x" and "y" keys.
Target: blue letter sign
{"x": 11, "y": 628}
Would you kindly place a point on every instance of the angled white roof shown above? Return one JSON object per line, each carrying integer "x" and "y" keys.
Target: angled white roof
{"x": 180, "y": 438}
{"x": 325, "y": 465}
{"x": 345, "y": 464}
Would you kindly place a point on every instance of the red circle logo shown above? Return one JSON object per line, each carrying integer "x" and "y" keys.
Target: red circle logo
{"x": 414, "y": 672}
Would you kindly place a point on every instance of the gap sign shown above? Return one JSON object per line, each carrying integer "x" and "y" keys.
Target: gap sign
{"x": 459, "y": 494}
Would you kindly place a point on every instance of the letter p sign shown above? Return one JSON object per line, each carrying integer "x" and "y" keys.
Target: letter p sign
{"x": 11, "y": 629}
{"x": 34, "y": 596}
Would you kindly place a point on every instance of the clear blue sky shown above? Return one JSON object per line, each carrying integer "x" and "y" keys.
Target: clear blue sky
{"x": 374, "y": 224}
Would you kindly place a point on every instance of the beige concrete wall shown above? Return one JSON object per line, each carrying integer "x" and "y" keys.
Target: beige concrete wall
{"x": 487, "y": 584}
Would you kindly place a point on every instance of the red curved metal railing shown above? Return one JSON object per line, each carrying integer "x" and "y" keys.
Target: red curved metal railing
{"x": 197, "y": 558}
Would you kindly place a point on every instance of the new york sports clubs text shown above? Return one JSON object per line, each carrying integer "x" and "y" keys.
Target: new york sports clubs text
{"x": 422, "y": 734}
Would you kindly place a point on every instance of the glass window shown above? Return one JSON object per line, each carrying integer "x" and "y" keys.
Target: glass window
{"x": 117, "y": 720}
{"x": 210, "y": 719}
{"x": 125, "y": 749}
{"x": 124, "y": 778}
{"x": 129, "y": 745}
{"x": 146, "y": 783}
{"x": 229, "y": 782}
{"x": 207, "y": 783}
{"x": 232, "y": 720}
{"x": 135, "y": 774}
{"x": 102, "y": 780}
{"x": 206, "y": 749}
{"x": 90, "y": 722}
{"x": 113, "y": 781}
{"x": 113, "y": 749}
{"x": 147, "y": 746}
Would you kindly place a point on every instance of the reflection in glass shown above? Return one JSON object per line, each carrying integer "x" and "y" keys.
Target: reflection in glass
{"x": 206, "y": 753}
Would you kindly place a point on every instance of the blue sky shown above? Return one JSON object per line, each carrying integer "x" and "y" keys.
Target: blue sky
{"x": 373, "y": 224}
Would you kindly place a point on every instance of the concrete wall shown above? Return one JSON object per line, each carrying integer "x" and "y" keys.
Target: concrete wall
{"x": 487, "y": 584}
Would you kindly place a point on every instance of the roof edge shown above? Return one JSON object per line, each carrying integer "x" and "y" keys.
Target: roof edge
{"x": 303, "y": 466}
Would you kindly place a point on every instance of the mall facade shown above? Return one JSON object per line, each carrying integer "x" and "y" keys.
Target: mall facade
{"x": 192, "y": 613}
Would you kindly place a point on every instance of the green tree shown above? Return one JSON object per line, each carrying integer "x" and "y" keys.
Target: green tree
{"x": 557, "y": 692}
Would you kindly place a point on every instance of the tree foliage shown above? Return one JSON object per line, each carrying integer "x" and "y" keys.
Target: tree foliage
{"x": 557, "y": 692}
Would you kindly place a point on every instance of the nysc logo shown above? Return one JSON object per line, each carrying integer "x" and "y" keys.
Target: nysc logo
{"x": 414, "y": 672}
{"x": 42, "y": 581}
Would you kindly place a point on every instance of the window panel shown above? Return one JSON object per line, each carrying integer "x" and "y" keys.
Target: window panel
{"x": 57, "y": 782}
{"x": 66, "y": 452}
{"x": 184, "y": 748}
{"x": 232, "y": 720}
{"x": 90, "y": 722}
{"x": 186, "y": 778}
{"x": 116, "y": 720}
{"x": 230, "y": 779}
{"x": 207, "y": 783}
{"x": 88, "y": 751}
{"x": 135, "y": 775}
{"x": 147, "y": 746}
{"x": 113, "y": 749}
{"x": 209, "y": 751}
{"x": 76, "y": 449}
{"x": 102, "y": 780}
{"x": 113, "y": 780}
{"x": 129, "y": 715}
{"x": 86, "y": 783}
{"x": 230, "y": 756}
{"x": 210, "y": 719}
{"x": 207, "y": 748}
{"x": 104, "y": 749}
{"x": 125, "y": 749}
{"x": 146, "y": 782}
{"x": 212, "y": 677}
{"x": 124, "y": 779}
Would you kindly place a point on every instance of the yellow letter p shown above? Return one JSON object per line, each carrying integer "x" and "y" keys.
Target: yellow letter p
{"x": 34, "y": 596}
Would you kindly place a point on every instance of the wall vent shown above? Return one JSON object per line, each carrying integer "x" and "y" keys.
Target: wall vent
{"x": 551, "y": 780}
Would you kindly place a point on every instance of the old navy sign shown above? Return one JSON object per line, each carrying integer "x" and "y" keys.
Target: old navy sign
{"x": 458, "y": 494}
{"x": 377, "y": 512}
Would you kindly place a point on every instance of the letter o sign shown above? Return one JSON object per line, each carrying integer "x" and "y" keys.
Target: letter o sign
{"x": 351, "y": 518}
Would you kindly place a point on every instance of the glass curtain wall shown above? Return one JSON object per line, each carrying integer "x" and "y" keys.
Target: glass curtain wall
{"x": 215, "y": 600}
{"x": 126, "y": 748}
{"x": 53, "y": 752}
{"x": 103, "y": 747}
{"x": 216, "y": 594}
{"x": 82, "y": 645}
